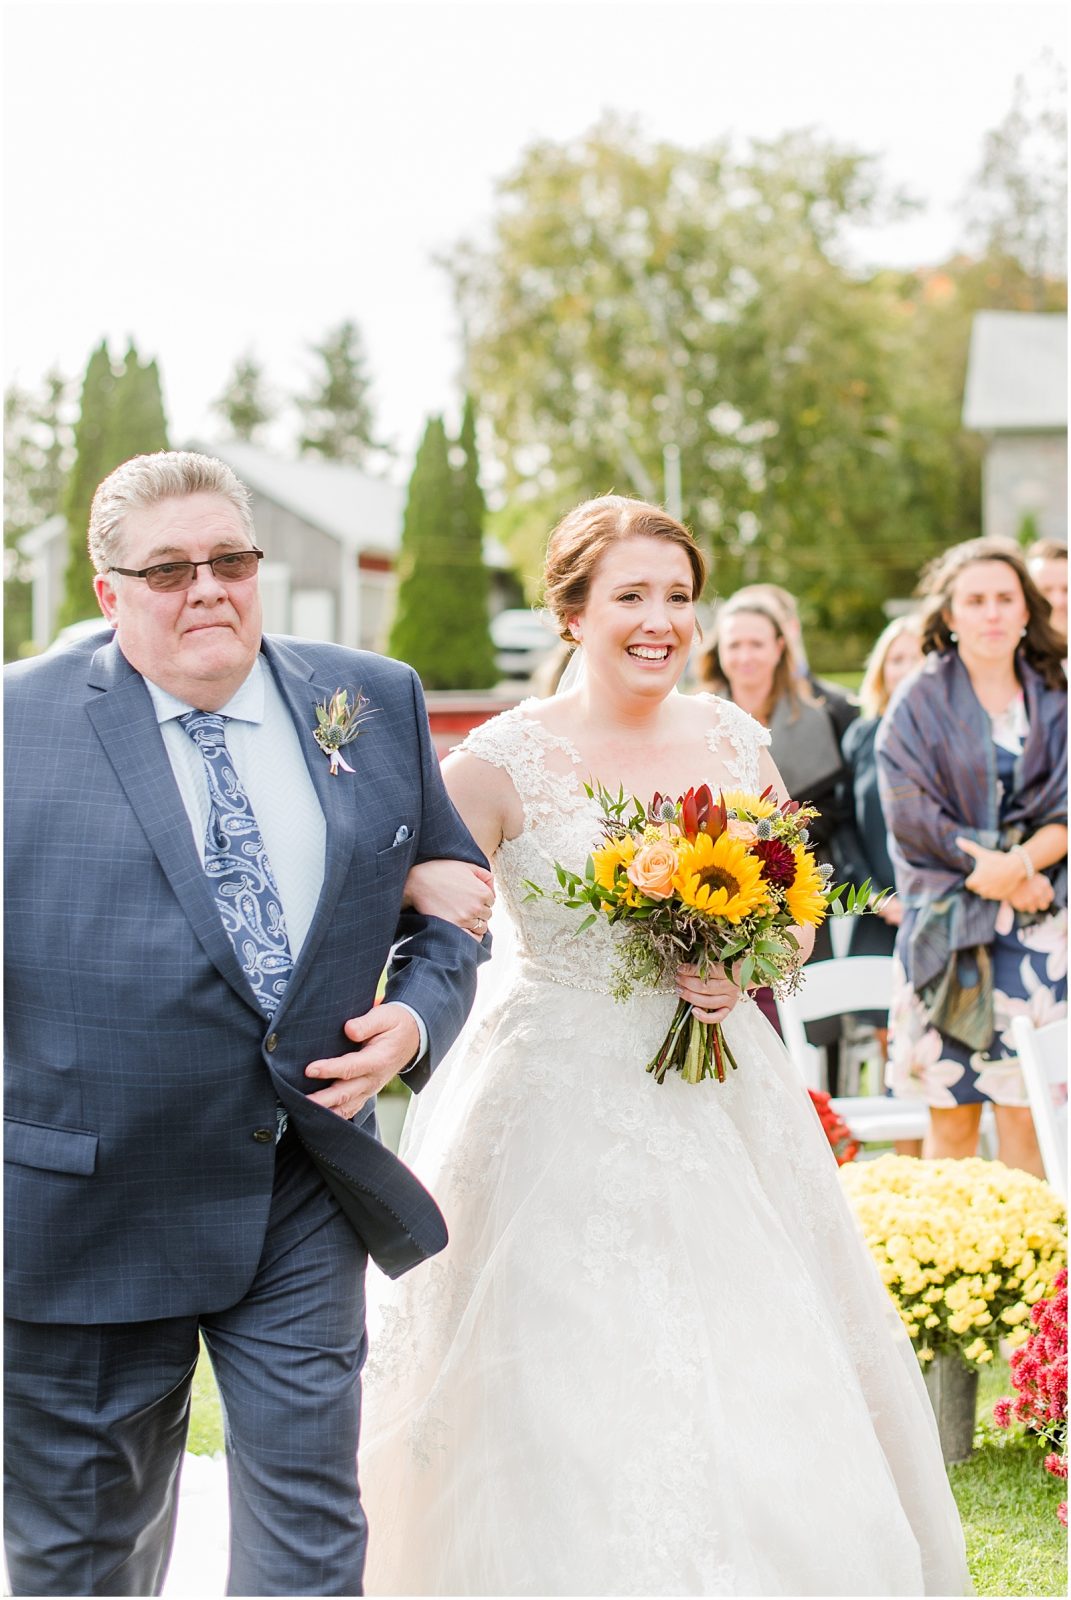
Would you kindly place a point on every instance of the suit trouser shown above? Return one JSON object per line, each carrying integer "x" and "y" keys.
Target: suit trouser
{"x": 96, "y": 1420}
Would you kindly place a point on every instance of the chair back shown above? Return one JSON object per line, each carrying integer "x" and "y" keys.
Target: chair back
{"x": 836, "y": 988}
{"x": 1043, "y": 1058}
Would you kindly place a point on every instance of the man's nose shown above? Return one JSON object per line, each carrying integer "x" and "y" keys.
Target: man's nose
{"x": 206, "y": 587}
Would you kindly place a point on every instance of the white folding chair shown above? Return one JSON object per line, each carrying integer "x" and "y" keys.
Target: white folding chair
{"x": 837, "y": 988}
{"x": 1043, "y": 1058}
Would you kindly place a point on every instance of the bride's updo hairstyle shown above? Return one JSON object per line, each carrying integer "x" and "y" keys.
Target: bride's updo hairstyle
{"x": 585, "y": 533}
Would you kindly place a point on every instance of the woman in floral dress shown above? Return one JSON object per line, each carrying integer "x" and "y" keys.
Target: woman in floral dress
{"x": 973, "y": 766}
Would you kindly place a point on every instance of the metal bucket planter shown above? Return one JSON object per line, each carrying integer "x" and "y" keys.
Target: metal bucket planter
{"x": 953, "y": 1389}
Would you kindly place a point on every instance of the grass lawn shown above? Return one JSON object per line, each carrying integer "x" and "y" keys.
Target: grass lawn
{"x": 1006, "y": 1500}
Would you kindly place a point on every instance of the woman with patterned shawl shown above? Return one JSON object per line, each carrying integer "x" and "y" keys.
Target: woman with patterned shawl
{"x": 972, "y": 762}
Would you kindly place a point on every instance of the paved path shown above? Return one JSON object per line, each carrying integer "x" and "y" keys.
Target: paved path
{"x": 199, "y": 1561}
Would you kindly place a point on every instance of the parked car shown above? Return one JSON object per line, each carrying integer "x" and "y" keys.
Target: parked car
{"x": 523, "y": 640}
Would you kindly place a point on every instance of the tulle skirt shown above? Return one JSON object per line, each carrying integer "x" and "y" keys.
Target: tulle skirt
{"x": 655, "y": 1357}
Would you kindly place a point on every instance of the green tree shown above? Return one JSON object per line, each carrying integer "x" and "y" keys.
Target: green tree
{"x": 245, "y": 404}
{"x": 440, "y": 623}
{"x": 121, "y": 415}
{"x": 641, "y": 303}
{"x": 1016, "y": 203}
{"x": 337, "y": 411}
{"x": 37, "y": 451}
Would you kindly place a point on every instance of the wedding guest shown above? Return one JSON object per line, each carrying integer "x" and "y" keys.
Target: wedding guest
{"x": 1047, "y": 561}
{"x": 896, "y": 654}
{"x": 841, "y": 706}
{"x": 972, "y": 761}
{"x": 748, "y": 659}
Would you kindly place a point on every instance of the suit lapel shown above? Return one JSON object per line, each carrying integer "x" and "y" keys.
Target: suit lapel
{"x": 340, "y": 796}
{"x": 125, "y": 722}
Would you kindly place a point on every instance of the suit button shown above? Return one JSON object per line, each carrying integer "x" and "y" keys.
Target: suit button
{"x": 270, "y": 1042}
{"x": 264, "y": 1135}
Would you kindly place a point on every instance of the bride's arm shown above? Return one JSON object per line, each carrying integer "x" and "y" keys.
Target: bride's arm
{"x": 454, "y": 890}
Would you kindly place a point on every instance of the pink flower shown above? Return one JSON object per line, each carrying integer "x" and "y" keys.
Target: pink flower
{"x": 1061, "y": 1512}
{"x": 1002, "y": 1413}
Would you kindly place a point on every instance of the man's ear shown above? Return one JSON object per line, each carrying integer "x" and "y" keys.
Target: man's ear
{"x": 107, "y": 599}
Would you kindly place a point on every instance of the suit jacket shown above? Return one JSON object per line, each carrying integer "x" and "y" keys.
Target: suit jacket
{"x": 140, "y": 1072}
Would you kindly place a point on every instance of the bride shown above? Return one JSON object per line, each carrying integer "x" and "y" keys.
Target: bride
{"x": 655, "y": 1357}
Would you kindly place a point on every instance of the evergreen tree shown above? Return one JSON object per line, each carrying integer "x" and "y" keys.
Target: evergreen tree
{"x": 440, "y": 626}
{"x": 91, "y": 463}
{"x": 122, "y": 415}
{"x": 338, "y": 412}
{"x": 37, "y": 450}
{"x": 245, "y": 404}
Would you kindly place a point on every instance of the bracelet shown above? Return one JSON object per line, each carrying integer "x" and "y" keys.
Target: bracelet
{"x": 1021, "y": 851}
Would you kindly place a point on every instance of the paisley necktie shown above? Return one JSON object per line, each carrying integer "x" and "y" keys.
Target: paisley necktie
{"x": 238, "y": 869}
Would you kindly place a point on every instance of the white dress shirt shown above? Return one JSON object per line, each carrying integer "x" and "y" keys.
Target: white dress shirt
{"x": 265, "y": 748}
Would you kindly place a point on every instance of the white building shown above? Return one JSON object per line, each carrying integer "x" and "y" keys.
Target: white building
{"x": 1016, "y": 397}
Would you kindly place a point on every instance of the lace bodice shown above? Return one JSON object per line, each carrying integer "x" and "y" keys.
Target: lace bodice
{"x": 561, "y": 824}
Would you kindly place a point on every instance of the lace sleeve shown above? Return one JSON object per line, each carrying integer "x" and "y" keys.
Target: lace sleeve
{"x": 518, "y": 744}
{"x": 737, "y": 738}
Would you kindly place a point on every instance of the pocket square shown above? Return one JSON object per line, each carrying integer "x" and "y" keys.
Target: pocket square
{"x": 402, "y": 835}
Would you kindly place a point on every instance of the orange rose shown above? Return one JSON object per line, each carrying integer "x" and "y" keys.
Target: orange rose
{"x": 652, "y": 870}
{"x": 739, "y": 828}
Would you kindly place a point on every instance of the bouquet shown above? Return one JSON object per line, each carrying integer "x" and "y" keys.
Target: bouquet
{"x": 706, "y": 882}
{"x": 965, "y": 1248}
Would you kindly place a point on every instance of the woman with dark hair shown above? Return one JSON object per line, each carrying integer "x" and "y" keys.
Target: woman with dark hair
{"x": 972, "y": 758}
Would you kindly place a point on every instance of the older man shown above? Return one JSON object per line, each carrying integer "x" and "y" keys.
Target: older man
{"x": 201, "y": 901}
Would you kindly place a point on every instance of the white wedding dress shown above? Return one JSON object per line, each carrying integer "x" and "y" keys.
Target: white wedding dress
{"x": 655, "y": 1357}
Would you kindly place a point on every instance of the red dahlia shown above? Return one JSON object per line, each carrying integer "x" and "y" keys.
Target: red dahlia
{"x": 778, "y": 862}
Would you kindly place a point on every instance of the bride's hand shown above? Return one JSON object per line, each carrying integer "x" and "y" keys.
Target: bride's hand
{"x": 455, "y": 891}
{"x": 711, "y": 998}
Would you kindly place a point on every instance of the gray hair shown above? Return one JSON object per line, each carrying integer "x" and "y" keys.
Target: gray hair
{"x": 144, "y": 481}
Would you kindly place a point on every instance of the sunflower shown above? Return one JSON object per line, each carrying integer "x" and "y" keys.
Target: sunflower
{"x": 804, "y": 898}
{"x": 719, "y": 877}
{"x": 611, "y": 858}
{"x": 750, "y": 804}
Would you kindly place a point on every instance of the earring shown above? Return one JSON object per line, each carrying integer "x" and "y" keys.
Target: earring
{"x": 953, "y": 636}
{"x": 1023, "y": 634}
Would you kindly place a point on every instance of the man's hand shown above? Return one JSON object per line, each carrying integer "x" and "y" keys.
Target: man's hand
{"x": 389, "y": 1039}
{"x": 891, "y": 911}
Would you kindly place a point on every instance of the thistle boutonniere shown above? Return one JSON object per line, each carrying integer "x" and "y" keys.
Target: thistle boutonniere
{"x": 337, "y": 724}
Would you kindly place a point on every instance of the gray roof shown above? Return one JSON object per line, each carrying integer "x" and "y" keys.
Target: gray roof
{"x": 1016, "y": 372}
{"x": 362, "y": 512}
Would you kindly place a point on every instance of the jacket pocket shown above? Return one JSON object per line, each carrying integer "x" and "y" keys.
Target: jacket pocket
{"x": 32, "y": 1144}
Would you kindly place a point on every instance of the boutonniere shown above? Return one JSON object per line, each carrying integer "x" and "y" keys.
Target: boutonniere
{"x": 337, "y": 724}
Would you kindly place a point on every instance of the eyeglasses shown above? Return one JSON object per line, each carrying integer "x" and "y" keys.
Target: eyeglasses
{"x": 171, "y": 575}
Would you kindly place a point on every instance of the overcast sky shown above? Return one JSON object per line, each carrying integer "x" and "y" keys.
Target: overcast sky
{"x": 215, "y": 177}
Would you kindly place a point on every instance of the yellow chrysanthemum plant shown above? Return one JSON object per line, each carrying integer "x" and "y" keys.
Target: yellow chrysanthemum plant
{"x": 965, "y": 1248}
{"x": 706, "y": 882}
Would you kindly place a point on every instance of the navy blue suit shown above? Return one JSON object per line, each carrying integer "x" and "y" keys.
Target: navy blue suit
{"x": 143, "y": 1201}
